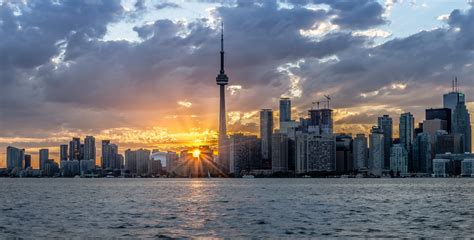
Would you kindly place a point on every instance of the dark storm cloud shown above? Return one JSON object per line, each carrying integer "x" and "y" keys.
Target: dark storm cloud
{"x": 464, "y": 21}
{"x": 357, "y": 14}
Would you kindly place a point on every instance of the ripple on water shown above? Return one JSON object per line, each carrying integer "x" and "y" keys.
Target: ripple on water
{"x": 259, "y": 208}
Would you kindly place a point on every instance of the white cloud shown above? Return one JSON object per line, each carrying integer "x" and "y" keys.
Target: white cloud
{"x": 443, "y": 17}
{"x": 234, "y": 89}
{"x": 373, "y": 33}
{"x": 319, "y": 29}
{"x": 185, "y": 104}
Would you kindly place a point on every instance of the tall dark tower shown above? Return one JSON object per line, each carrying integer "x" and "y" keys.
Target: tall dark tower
{"x": 222, "y": 80}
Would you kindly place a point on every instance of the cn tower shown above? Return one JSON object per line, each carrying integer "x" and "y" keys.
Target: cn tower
{"x": 222, "y": 80}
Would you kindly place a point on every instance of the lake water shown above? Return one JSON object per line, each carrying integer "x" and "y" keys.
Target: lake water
{"x": 270, "y": 208}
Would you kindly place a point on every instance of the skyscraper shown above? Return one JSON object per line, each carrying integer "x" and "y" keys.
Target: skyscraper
{"x": 89, "y": 148}
{"x": 451, "y": 99}
{"x": 63, "y": 152}
{"x": 143, "y": 156}
{"x": 344, "y": 159}
{"x": 131, "y": 161}
{"x": 461, "y": 124}
{"x": 399, "y": 159}
{"x": 75, "y": 149}
{"x": 385, "y": 124}
{"x": 15, "y": 157}
{"x": 105, "y": 156}
{"x": 43, "y": 157}
{"x": 279, "y": 152}
{"x": 376, "y": 151}
{"x": 285, "y": 110}
{"x": 222, "y": 80}
{"x": 406, "y": 127}
{"x": 266, "y": 130}
{"x": 422, "y": 154}
{"x": 27, "y": 161}
{"x": 360, "y": 150}
{"x": 110, "y": 158}
{"x": 460, "y": 118}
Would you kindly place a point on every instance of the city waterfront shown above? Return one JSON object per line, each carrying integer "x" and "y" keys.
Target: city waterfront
{"x": 261, "y": 208}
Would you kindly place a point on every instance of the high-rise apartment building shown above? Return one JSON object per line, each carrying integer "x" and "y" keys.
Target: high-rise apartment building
{"x": 63, "y": 152}
{"x": 75, "y": 149}
{"x": 89, "y": 148}
{"x": 15, "y": 157}
{"x": 285, "y": 110}
{"x": 399, "y": 159}
{"x": 244, "y": 153}
{"x": 315, "y": 152}
{"x": 266, "y": 131}
{"x": 376, "y": 151}
{"x": 43, "y": 157}
{"x": 279, "y": 152}
{"x": 385, "y": 124}
{"x": 406, "y": 129}
{"x": 360, "y": 152}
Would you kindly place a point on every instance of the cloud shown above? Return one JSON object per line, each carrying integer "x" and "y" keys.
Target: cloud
{"x": 373, "y": 33}
{"x": 165, "y": 4}
{"x": 185, "y": 104}
{"x": 58, "y": 75}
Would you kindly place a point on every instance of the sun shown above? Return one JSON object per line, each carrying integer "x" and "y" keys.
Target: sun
{"x": 196, "y": 153}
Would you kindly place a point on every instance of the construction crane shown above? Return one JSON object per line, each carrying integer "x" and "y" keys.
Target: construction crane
{"x": 327, "y": 98}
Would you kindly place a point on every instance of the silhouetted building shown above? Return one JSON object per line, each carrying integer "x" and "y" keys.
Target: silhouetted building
{"x": 440, "y": 113}
{"x": 285, "y": 110}
{"x": 422, "y": 154}
{"x": 266, "y": 131}
{"x": 43, "y": 157}
{"x": 406, "y": 127}
{"x": 131, "y": 161}
{"x": 105, "y": 155}
{"x": 143, "y": 156}
{"x": 75, "y": 149}
{"x": 452, "y": 143}
{"x": 462, "y": 125}
{"x": 399, "y": 159}
{"x": 344, "y": 159}
{"x": 89, "y": 148}
{"x": 27, "y": 161}
{"x": 110, "y": 159}
{"x": 279, "y": 152}
{"x": 63, "y": 152}
{"x": 361, "y": 153}
{"x": 15, "y": 157}
{"x": 244, "y": 153}
{"x": 376, "y": 151}
{"x": 386, "y": 125}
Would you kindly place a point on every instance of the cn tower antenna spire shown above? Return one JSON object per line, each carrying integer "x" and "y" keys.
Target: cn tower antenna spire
{"x": 222, "y": 47}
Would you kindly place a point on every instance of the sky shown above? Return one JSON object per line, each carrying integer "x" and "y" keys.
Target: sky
{"x": 142, "y": 73}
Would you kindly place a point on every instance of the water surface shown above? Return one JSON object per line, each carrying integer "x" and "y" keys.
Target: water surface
{"x": 270, "y": 208}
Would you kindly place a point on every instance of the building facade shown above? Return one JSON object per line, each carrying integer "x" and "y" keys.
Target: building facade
{"x": 266, "y": 131}
{"x": 360, "y": 152}
{"x": 376, "y": 151}
{"x": 279, "y": 152}
{"x": 385, "y": 123}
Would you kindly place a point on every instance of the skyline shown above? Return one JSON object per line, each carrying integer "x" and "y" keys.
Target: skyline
{"x": 68, "y": 104}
